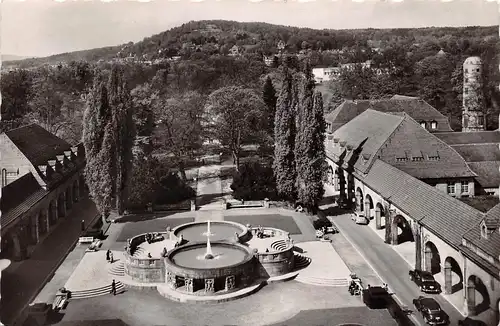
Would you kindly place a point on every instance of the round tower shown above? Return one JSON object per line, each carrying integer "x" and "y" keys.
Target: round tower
{"x": 472, "y": 114}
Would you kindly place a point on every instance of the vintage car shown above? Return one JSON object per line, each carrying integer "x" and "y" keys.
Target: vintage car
{"x": 359, "y": 218}
{"x": 425, "y": 281}
{"x": 431, "y": 311}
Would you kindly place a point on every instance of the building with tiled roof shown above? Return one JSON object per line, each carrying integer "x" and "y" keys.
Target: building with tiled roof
{"x": 400, "y": 141}
{"x": 481, "y": 151}
{"x": 421, "y": 111}
{"x": 457, "y": 243}
{"x": 42, "y": 176}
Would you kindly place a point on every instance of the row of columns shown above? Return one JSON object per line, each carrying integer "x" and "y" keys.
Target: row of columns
{"x": 423, "y": 256}
{"x": 29, "y": 230}
{"x": 189, "y": 283}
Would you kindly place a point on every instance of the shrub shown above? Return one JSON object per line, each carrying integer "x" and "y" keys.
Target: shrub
{"x": 172, "y": 189}
{"x": 254, "y": 181}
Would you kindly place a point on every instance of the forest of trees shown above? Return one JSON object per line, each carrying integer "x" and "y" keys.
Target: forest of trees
{"x": 177, "y": 105}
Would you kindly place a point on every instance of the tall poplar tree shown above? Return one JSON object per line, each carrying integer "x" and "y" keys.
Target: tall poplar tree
{"x": 314, "y": 161}
{"x": 108, "y": 137}
{"x": 284, "y": 140}
{"x": 305, "y": 116}
{"x": 269, "y": 97}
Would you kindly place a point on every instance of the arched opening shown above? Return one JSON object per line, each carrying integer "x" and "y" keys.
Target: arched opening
{"x": 11, "y": 247}
{"x": 369, "y": 207}
{"x": 478, "y": 298}
{"x": 75, "y": 191}
{"x": 498, "y": 311}
{"x": 61, "y": 205}
{"x": 401, "y": 230}
{"x": 42, "y": 223}
{"x": 379, "y": 216}
{"x": 359, "y": 200}
{"x": 68, "y": 198}
{"x": 453, "y": 277}
{"x": 432, "y": 258}
{"x": 329, "y": 175}
{"x": 336, "y": 180}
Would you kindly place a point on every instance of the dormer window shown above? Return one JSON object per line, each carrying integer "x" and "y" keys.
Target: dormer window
{"x": 433, "y": 156}
{"x": 434, "y": 125}
{"x": 401, "y": 157}
{"x": 423, "y": 124}
{"x": 416, "y": 156}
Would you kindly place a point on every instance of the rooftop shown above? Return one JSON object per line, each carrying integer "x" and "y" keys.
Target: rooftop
{"x": 467, "y": 138}
{"x": 491, "y": 246}
{"x": 420, "y": 201}
{"x": 417, "y": 108}
{"x": 37, "y": 144}
{"x": 398, "y": 140}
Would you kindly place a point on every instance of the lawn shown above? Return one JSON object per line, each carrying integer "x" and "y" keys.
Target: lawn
{"x": 156, "y": 225}
{"x": 282, "y": 222}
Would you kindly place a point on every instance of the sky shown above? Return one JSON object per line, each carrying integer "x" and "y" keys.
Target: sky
{"x": 45, "y": 27}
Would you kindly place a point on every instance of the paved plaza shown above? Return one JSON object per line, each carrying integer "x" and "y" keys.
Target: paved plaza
{"x": 309, "y": 300}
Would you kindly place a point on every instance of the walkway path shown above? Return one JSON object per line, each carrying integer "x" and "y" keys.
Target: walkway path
{"x": 22, "y": 281}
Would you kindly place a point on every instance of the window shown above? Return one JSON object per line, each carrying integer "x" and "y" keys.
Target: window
{"x": 464, "y": 187}
{"x": 434, "y": 125}
{"x": 466, "y": 70}
{"x": 466, "y": 90}
{"x": 423, "y": 124}
{"x": 401, "y": 159}
{"x": 451, "y": 187}
{"x": 477, "y": 70}
{"x": 417, "y": 159}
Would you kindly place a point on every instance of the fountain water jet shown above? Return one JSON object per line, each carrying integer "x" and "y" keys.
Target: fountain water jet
{"x": 208, "y": 254}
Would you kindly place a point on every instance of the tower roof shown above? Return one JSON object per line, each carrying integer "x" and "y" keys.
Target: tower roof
{"x": 472, "y": 61}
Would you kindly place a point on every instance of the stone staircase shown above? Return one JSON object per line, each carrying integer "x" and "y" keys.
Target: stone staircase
{"x": 301, "y": 261}
{"x": 140, "y": 253}
{"x": 117, "y": 269}
{"x": 91, "y": 293}
{"x": 322, "y": 281}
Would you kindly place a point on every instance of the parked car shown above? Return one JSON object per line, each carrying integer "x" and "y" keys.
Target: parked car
{"x": 425, "y": 281}
{"x": 431, "y": 311}
{"x": 359, "y": 218}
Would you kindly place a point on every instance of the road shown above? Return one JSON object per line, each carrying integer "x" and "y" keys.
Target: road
{"x": 391, "y": 267}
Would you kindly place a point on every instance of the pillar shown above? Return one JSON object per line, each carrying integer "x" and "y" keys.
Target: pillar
{"x": 230, "y": 282}
{"x": 61, "y": 207}
{"x": 394, "y": 231}
{"x": 418, "y": 246}
{"x": 76, "y": 193}
{"x": 209, "y": 285}
{"x": 367, "y": 209}
{"x": 471, "y": 298}
{"x": 428, "y": 259}
{"x": 36, "y": 229}
{"x": 47, "y": 218}
{"x": 388, "y": 227}
{"x": 447, "y": 278}
{"x": 68, "y": 198}
{"x": 188, "y": 283}
{"x": 378, "y": 216}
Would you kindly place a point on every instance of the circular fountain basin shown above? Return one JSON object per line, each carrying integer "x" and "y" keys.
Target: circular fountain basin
{"x": 223, "y": 256}
{"x": 189, "y": 260}
{"x": 219, "y": 230}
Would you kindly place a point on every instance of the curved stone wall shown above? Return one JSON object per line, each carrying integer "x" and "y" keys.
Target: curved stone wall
{"x": 275, "y": 262}
{"x": 209, "y": 281}
{"x": 145, "y": 270}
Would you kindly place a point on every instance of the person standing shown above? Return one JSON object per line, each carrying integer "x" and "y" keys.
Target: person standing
{"x": 111, "y": 257}
{"x": 113, "y": 287}
{"x": 108, "y": 255}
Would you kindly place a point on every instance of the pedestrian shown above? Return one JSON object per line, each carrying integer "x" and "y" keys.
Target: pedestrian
{"x": 108, "y": 255}
{"x": 111, "y": 260}
{"x": 113, "y": 287}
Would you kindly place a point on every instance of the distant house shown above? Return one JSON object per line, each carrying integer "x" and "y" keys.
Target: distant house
{"x": 235, "y": 51}
{"x": 325, "y": 74}
{"x": 268, "y": 60}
